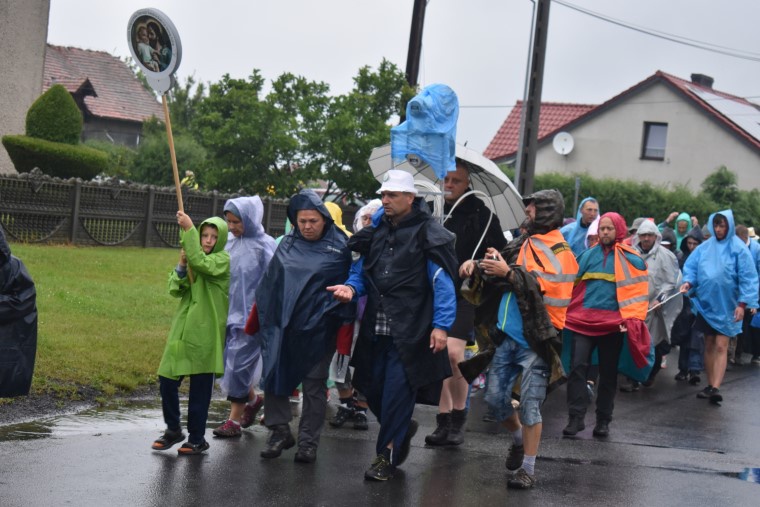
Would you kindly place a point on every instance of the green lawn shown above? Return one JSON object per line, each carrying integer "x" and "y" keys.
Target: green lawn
{"x": 104, "y": 314}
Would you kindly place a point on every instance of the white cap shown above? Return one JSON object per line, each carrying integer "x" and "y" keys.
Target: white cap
{"x": 396, "y": 180}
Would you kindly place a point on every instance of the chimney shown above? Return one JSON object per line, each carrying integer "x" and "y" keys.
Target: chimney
{"x": 702, "y": 80}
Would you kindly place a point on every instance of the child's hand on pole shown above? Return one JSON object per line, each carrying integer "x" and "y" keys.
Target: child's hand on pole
{"x": 182, "y": 258}
{"x": 184, "y": 221}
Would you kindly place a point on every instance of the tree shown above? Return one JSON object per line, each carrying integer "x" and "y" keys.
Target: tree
{"x": 358, "y": 122}
{"x": 721, "y": 187}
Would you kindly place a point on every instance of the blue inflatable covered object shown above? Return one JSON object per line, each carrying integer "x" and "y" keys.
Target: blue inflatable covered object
{"x": 430, "y": 129}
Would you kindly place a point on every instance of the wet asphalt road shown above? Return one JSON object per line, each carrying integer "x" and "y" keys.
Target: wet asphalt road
{"x": 666, "y": 448}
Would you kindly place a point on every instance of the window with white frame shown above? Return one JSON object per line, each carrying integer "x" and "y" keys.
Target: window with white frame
{"x": 655, "y": 139}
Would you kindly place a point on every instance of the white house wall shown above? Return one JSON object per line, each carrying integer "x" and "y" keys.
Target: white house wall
{"x": 609, "y": 145}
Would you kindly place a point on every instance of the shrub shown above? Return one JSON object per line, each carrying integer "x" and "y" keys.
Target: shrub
{"x": 120, "y": 157}
{"x": 54, "y": 116}
{"x": 55, "y": 159}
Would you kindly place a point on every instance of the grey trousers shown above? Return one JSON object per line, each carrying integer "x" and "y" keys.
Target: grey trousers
{"x": 314, "y": 388}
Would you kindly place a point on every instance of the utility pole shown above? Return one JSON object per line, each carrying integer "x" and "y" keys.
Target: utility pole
{"x": 415, "y": 48}
{"x": 526, "y": 153}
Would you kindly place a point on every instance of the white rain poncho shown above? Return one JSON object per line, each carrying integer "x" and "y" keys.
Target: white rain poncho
{"x": 249, "y": 257}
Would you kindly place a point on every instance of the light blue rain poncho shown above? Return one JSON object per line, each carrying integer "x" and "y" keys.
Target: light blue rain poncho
{"x": 574, "y": 233}
{"x": 249, "y": 257}
{"x": 722, "y": 274}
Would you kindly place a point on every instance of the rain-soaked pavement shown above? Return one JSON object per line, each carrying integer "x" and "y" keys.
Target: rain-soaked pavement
{"x": 666, "y": 448}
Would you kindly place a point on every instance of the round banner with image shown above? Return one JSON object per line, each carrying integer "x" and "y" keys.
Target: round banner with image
{"x": 155, "y": 47}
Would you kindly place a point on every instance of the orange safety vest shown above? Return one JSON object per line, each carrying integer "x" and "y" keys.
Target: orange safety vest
{"x": 549, "y": 257}
{"x": 632, "y": 285}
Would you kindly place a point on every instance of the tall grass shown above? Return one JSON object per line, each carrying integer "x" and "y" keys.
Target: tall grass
{"x": 104, "y": 314}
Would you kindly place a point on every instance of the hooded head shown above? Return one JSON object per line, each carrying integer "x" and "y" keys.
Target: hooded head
{"x": 621, "y": 230}
{"x": 725, "y": 216}
{"x": 588, "y": 210}
{"x": 337, "y": 215}
{"x": 550, "y": 208}
{"x": 221, "y": 227}
{"x": 368, "y": 209}
{"x": 647, "y": 228}
{"x": 307, "y": 199}
{"x": 592, "y": 234}
{"x": 668, "y": 239}
{"x": 250, "y": 211}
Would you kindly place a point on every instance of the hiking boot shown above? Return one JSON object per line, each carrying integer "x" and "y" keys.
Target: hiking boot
{"x": 189, "y": 449}
{"x": 602, "y": 429}
{"x": 694, "y": 378}
{"x": 341, "y": 416}
{"x": 168, "y": 439}
{"x": 228, "y": 430}
{"x": 306, "y": 455}
{"x": 521, "y": 480}
{"x": 403, "y": 453}
{"x": 380, "y": 470}
{"x": 706, "y": 392}
{"x": 440, "y": 435}
{"x": 574, "y": 425}
{"x": 456, "y": 430}
{"x": 360, "y": 420}
{"x": 682, "y": 375}
{"x": 715, "y": 397}
{"x": 515, "y": 457}
{"x": 251, "y": 409}
{"x": 280, "y": 439}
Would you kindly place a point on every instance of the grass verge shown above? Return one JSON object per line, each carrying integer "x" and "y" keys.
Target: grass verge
{"x": 104, "y": 314}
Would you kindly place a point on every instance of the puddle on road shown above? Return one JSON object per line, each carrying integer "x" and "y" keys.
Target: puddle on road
{"x": 129, "y": 416}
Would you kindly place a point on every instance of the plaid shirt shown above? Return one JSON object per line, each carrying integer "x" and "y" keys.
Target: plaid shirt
{"x": 381, "y": 323}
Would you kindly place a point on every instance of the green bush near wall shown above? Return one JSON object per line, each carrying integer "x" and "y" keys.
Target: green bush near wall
{"x": 55, "y": 117}
{"x": 55, "y": 159}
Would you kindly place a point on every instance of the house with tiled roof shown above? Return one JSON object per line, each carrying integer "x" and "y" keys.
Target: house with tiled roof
{"x": 665, "y": 130}
{"x": 114, "y": 103}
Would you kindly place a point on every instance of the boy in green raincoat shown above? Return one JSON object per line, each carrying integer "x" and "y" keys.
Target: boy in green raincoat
{"x": 196, "y": 341}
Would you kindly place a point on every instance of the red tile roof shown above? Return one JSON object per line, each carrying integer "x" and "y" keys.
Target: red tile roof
{"x": 553, "y": 116}
{"x": 110, "y": 88}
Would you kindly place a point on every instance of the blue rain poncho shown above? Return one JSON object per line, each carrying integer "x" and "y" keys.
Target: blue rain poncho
{"x": 298, "y": 317}
{"x": 574, "y": 233}
{"x": 722, "y": 274}
{"x": 430, "y": 129}
{"x": 249, "y": 257}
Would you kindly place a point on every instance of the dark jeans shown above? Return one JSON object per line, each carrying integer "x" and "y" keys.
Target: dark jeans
{"x": 609, "y": 347}
{"x": 661, "y": 350}
{"x": 390, "y": 397}
{"x": 201, "y": 386}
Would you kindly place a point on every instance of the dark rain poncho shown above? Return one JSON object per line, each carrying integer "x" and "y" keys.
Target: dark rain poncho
{"x": 298, "y": 317}
{"x": 18, "y": 324}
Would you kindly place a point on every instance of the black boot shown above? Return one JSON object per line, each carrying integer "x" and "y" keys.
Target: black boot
{"x": 574, "y": 425}
{"x": 280, "y": 439}
{"x": 441, "y": 433}
{"x": 456, "y": 431}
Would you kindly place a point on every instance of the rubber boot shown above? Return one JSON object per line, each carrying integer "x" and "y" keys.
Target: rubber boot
{"x": 456, "y": 431}
{"x": 441, "y": 433}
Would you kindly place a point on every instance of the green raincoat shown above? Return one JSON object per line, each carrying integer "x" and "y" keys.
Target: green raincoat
{"x": 196, "y": 339}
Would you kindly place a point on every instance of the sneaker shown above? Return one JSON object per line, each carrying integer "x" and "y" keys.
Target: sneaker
{"x": 706, "y": 392}
{"x": 755, "y": 360}
{"x": 306, "y": 455}
{"x": 521, "y": 480}
{"x": 515, "y": 457}
{"x": 228, "y": 430}
{"x": 380, "y": 470}
{"x": 694, "y": 378}
{"x": 279, "y": 440}
{"x": 406, "y": 445}
{"x": 360, "y": 420}
{"x": 341, "y": 416}
{"x": 715, "y": 397}
{"x": 682, "y": 375}
{"x": 251, "y": 409}
{"x": 630, "y": 387}
{"x": 189, "y": 449}
{"x": 574, "y": 425}
{"x": 168, "y": 439}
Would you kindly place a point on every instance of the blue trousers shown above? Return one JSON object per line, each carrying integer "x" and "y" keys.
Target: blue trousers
{"x": 201, "y": 386}
{"x": 390, "y": 397}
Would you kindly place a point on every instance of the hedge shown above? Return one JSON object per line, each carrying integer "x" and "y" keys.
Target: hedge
{"x": 55, "y": 159}
{"x": 54, "y": 116}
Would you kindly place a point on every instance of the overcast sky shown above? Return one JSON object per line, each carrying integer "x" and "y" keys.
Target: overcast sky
{"x": 477, "y": 47}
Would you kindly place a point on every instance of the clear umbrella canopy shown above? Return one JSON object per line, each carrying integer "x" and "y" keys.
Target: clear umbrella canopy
{"x": 485, "y": 176}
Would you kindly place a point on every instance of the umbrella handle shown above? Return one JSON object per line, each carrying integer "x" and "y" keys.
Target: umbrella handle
{"x": 490, "y": 216}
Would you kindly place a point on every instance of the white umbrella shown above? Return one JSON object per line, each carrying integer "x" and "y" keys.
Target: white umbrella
{"x": 484, "y": 175}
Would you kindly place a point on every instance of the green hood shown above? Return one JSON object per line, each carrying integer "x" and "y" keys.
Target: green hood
{"x": 221, "y": 226}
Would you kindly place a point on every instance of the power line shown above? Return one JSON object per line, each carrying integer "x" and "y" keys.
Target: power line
{"x": 706, "y": 46}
